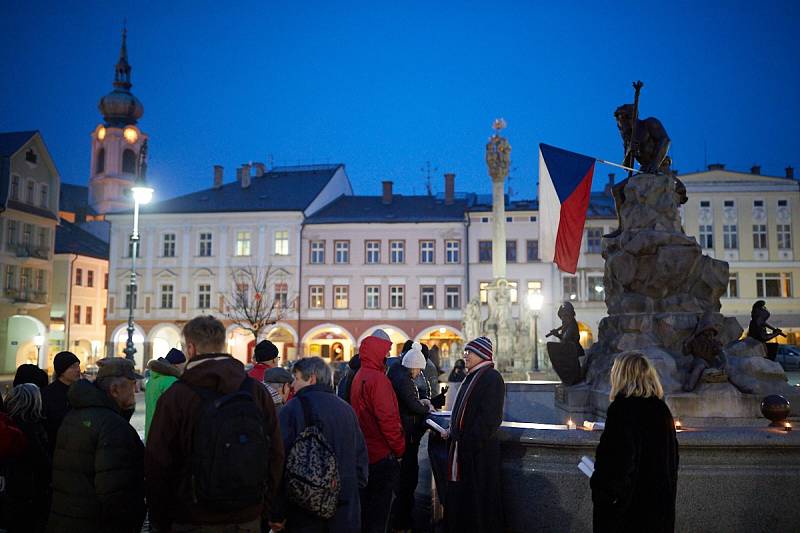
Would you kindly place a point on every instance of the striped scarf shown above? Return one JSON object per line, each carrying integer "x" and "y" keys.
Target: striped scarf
{"x": 457, "y": 417}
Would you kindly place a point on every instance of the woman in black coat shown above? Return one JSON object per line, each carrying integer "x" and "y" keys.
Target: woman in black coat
{"x": 634, "y": 484}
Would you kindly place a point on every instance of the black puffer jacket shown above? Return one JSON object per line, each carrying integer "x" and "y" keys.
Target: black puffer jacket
{"x": 343, "y": 391}
{"x": 412, "y": 411}
{"x": 98, "y": 468}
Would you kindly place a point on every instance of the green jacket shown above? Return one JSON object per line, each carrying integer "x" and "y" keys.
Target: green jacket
{"x": 98, "y": 468}
{"x": 162, "y": 375}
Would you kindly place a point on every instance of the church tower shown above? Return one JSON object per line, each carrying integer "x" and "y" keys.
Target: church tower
{"x": 117, "y": 144}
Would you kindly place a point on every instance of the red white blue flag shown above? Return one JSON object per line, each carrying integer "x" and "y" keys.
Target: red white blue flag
{"x": 565, "y": 184}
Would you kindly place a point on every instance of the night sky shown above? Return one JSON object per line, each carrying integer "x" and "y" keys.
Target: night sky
{"x": 385, "y": 87}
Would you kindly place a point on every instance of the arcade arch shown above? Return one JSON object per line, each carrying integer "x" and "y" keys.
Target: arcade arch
{"x": 120, "y": 336}
{"x": 396, "y": 335}
{"x": 20, "y": 347}
{"x": 444, "y": 342}
{"x": 329, "y": 341}
{"x": 162, "y": 338}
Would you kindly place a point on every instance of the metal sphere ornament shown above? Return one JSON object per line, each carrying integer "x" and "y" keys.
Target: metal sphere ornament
{"x": 775, "y": 408}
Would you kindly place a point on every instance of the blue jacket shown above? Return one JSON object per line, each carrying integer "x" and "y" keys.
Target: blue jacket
{"x": 338, "y": 423}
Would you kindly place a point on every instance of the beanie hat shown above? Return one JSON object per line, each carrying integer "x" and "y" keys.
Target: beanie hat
{"x": 481, "y": 346}
{"x": 381, "y": 335}
{"x": 413, "y": 357}
{"x": 64, "y": 360}
{"x": 265, "y": 351}
{"x": 175, "y": 357}
{"x": 28, "y": 373}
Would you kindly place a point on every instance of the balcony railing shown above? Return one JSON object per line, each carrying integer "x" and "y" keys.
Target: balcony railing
{"x": 26, "y": 250}
{"x": 26, "y": 296}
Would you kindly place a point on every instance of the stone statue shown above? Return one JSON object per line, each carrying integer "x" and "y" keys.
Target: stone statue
{"x": 565, "y": 355}
{"x": 568, "y": 332}
{"x": 472, "y": 319}
{"x": 706, "y": 352}
{"x": 498, "y": 152}
{"x": 758, "y": 328}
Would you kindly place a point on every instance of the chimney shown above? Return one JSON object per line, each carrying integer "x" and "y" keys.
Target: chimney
{"x": 261, "y": 169}
{"x": 217, "y": 176}
{"x": 716, "y": 166}
{"x": 449, "y": 188}
{"x": 610, "y": 184}
{"x": 790, "y": 172}
{"x": 387, "y": 193}
{"x": 755, "y": 169}
{"x": 245, "y": 175}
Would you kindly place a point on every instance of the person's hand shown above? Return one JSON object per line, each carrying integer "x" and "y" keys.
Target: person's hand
{"x": 277, "y": 526}
{"x": 446, "y": 434}
{"x": 427, "y": 403}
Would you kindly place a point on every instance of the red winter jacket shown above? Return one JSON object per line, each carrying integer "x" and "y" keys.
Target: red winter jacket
{"x": 374, "y": 401}
{"x": 12, "y": 439}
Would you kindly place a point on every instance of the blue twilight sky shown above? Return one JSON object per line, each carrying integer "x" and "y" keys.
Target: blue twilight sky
{"x": 386, "y": 86}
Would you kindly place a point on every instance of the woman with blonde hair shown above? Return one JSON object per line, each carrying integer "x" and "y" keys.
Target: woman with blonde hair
{"x": 634, "y": 484}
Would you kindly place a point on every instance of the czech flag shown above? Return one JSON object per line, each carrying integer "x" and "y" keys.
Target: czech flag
{"x": 565, "y": 183}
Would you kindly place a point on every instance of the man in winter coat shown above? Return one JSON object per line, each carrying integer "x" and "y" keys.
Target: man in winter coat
{"x": 313, "y": 384}
{"x": 98, "y": 481}
{"x": 168, "y": 463}
{"x": 265, "y": 356}
{"x": 375, "y": 404}
{"x": 412, "y": 416}
{"x": 473, "y": 467}
{"x": 54, "y": 397}
{"x": 164, "y": 371}
{"x": 347, "y": 380}
{"x": 279, "y": 384}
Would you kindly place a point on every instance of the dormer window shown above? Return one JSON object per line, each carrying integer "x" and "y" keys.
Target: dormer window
{"x": 31, "y": 157}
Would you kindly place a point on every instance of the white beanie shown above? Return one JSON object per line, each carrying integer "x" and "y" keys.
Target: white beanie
{"x": 414, "y": 358}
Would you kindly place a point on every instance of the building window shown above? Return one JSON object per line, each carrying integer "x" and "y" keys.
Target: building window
{"x": 42, "y": 242}
{"x": 129, "y": 162}
{"x": 282, "y": 242}
{"x": 29, "y": 185}
{"x": 707, "y": 236}
{"x": 11, "y": 277}
{"x": 397, "y": 297}
{"x": 11, "y": 233}
{"x": 15, "y": 187}
{"x": 90, "y": 278}
{"x": 373, "y": 252}
{"x": 728, "y": 203}
{"x": 205, "y": 247}
{"x": 281, "y": 299}
{"x": 316, "y": 297}
{"x": 40, "y": 281}
{"x": 452, "y": 297}
{"x": 427, "y": 252}
{"x": 88, "y": 314}
{"x": 27, "y": 230}
{"x": 484, "y": 220}
{"x": 43, "y": 195}
{"x": 317, "y": 252}
{"x": 532, "y": 250}
{"x": 25, "y": 279}
{"x": 105, "y": 281}
{"x": 513, "y": 292}
{"x": 570, "y": 286}
{"x": 532, "y": 218}
{"x": 534, "y": 287}
{"x": 372, "y": 295}
{"x": 76, "y": 314}
{"x": 774, "y": 285}
{"x": 397, "y": 252}
{"x": 783, "y": 203}
{"x": 730, "y": 236}
{"x": 784, "y": 236}
{"x": 484, "y": 251}
{"x": 427, "y": 297}
{"x": 243, "y": 243}
{"x": 594, "y": 240}
{"x": 452, "y": 252}
{"x": 597, "y": 291}
{"x": 483, "y": 291}
{"x": 760, "y": 236}
{"x": 342, "y": 252}
{"x": 167, "y": 296}
{"x": 758, "y": 203}
{"x": 100, "y": 164}
{"x": 511, "y": 251}
{"x": 169, "y": 245}
{"x": 340, "y": 296}
{"x": 204, "y": 296}
{"x": 79, "y": 277}
{"x": 135, "y": 291}
{"x": 705, "y": 204}
{"x": 733, "y": 286}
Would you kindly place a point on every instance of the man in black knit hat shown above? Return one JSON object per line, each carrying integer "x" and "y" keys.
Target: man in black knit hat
{"x": 54, "y": 397}
{"x": 265, "y": 357}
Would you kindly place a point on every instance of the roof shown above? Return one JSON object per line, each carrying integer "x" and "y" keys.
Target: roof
{"x": 12, "y": 141}
{"x": 402, "y": 209}
{"x": 281, "y": 189}
{"x": 71, "y": 239}
{"x": 74, "y": 198}
{"x": 601, "y": 205}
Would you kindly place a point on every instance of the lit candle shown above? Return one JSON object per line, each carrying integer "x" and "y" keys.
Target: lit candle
{"x": 678, "y": 425}
{"x": 570, "y": 424}
{"x": 787, "y": 427}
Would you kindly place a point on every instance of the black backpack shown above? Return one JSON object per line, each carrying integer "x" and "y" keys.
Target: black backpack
{"x": 312, "y": 475}
{"x": 230, "y": 450}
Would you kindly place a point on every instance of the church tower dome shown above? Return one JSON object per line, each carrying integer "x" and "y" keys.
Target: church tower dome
{"x": 120, "y": 107}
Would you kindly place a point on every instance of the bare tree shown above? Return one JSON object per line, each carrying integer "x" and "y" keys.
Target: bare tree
{"x": 258, "y": 298}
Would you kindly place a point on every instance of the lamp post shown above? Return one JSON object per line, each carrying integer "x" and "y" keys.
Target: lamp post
{"x": 535, "y": 301}
{"x": 142, "y": 194}
{"x": 38, "y": 341}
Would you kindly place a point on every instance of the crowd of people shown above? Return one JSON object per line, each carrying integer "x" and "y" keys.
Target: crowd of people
{"x": 230, "y": 449}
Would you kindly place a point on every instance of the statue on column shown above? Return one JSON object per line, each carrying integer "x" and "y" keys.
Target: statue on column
{"x": 498, "y": 152}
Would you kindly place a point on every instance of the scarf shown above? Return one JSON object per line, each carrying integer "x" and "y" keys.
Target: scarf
{"x": 457, "y": 417}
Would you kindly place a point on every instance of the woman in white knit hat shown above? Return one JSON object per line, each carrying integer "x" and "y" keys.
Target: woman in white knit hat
{"x": 412, "y": 415}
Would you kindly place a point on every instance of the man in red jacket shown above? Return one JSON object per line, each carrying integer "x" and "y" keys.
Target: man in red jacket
{"x": 374, "y": 401}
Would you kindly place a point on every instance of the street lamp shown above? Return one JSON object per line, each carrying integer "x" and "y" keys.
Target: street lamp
{"x": 38, "y": 341}
{"x": 535, "y": 301}
{"x": 142, "y": 194}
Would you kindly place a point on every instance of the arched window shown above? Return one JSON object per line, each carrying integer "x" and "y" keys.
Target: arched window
{"x": 129, "y": 162}
{"x": 100, "y": 164}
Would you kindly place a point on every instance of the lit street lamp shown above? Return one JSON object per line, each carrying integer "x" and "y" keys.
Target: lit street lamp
{"x": 142, "y": 194}
{"x": 38, "y": 341}
{"x": 535, "y": 301}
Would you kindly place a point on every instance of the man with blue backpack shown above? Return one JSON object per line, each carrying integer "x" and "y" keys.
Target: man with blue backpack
{"x": 214, "y": 454}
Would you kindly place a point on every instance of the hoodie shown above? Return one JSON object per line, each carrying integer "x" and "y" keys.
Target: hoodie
{"x": 162, "y": 375}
